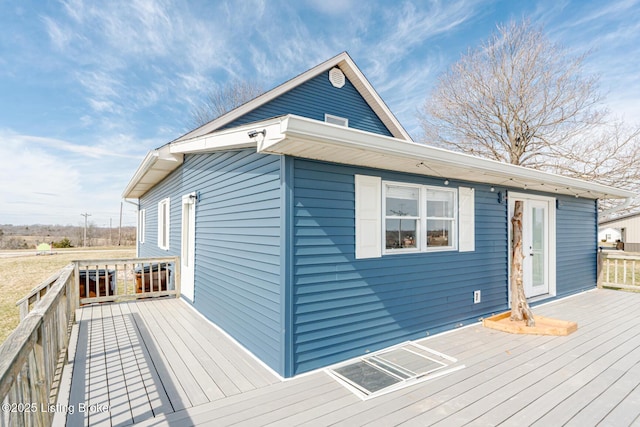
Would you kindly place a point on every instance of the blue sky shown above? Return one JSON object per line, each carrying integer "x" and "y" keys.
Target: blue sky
{"x": 87, "y": 88}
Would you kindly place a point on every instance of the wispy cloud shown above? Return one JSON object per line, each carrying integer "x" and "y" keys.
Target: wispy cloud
{"x": 110, "y": 80}
{"x": 53, "y": 180}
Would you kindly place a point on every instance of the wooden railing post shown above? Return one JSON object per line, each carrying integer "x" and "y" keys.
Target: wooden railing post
{"x": 176, "y": 266}
{"x": 599, "y": 265}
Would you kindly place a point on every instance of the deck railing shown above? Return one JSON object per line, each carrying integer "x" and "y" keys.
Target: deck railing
{"x": 32, "y": 357}
{"x": 621, "y": 271}
{"x": 121, "y": 279}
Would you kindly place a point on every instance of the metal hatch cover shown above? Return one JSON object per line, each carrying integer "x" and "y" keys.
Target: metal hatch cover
{"x": 392, "y": 369}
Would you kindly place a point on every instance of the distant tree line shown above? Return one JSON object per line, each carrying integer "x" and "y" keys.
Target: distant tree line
{"x": 63, "y": 236}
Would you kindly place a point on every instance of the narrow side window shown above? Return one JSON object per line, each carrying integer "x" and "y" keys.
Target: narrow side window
{"x": 142, "y": 223}
{"x": 164, "y": 223}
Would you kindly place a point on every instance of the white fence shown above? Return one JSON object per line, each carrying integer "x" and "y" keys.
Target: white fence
{"x": 620, "y": 271}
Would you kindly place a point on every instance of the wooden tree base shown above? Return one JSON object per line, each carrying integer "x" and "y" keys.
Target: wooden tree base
{"x": 544, "y": 325}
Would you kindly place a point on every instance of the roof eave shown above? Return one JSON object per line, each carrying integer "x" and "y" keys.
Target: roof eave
{"x": 156, "y": 166}
{"x": 317, "y": 140}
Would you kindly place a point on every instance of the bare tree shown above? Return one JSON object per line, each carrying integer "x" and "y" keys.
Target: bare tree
{"x": 519, "y": 306}
{"x": 224, "y": 99}
{"x": 524, "y": 100}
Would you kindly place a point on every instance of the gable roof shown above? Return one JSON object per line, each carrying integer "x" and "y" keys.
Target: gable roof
{"x": 350, "y": 70}
{"x": 313, "y": 139}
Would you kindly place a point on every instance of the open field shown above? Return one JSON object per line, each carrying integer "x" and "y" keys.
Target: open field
{"x": 22, "y": 270}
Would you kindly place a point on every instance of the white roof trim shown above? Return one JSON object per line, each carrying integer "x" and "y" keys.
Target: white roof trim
{"x": 156, "y": 166}
{"x": 347, "y": 66}
{"x": 229, "y": 139}
{"x": 312, "y": 139}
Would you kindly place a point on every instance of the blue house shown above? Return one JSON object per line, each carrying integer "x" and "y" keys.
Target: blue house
{"x": 312, "y": 229}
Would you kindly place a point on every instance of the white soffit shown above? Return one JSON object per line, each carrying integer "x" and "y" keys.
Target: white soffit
{"x": 316, "y": 140}
{"x": 156, "y": 166}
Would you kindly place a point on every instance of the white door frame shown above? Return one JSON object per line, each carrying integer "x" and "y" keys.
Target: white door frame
{"x": 550, "y": 269}
{"x": 188, "y": 246}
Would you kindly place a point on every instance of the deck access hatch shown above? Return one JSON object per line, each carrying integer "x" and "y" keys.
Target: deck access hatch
{"x": 392, "y": 369}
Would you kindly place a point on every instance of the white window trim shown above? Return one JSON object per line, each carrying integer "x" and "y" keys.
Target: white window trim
{"x": 422, "y": 223}
{"x": 164, "y": 232}
{"x": 142, "y": 224}
{"x": 331, "y": 119}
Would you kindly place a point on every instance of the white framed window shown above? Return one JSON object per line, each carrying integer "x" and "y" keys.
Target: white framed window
{"x": 397, "y": 217}
{"x": 142, "y": 224}
{"x": 441, "y": 218}
{"x": 164, "y": 223}
{"x": 402, "y": 217}
{"x": 419, "y": 218}
{"x": 336, "y": 120}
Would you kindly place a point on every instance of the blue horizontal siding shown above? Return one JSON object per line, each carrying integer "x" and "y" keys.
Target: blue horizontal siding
{"x": 237, "y": 257}
{"x": 576, "y": 244}
{"x": 315, "y": 98}
{"x": 343, "y": 307}
{"x": 170, "y": 187}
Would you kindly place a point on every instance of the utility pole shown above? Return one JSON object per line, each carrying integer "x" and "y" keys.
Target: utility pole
{"x": 110, "y": 222}
{"x": 84, "y": 241}
{"x": 120, "y": 227}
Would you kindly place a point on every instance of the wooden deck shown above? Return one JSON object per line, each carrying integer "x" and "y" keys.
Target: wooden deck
{"x": 156, "y": 362}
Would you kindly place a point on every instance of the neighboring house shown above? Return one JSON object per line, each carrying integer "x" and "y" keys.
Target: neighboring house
{"x": 313, "y": 230}
{"x": 626, "y": 229}
{"x": 609, "y": 235}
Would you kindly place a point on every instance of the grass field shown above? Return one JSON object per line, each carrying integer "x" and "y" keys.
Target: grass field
{"x": 21, "y": 271}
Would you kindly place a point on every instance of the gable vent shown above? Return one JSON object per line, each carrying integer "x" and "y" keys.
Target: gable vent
{"x": 336, "y": 77}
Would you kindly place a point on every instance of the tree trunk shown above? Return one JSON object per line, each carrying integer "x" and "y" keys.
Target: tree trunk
{"x": 519, "y": 307}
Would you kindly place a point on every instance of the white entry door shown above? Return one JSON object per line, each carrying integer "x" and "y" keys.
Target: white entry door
{"x": 535, "y": 244}
{"x": 188, "y": 247}
{"x": 538, "y": 243}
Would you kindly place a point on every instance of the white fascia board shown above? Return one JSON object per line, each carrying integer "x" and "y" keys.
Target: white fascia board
{"x": 318, "y": 134}
{"x": 145, "y": 166}
{"x": 229, "y": 139}
{"x": 156, "y": 165}
{"x": 372, "y": 97}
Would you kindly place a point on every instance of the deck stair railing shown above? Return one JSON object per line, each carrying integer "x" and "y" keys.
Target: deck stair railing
{"x": 32, "y": 357}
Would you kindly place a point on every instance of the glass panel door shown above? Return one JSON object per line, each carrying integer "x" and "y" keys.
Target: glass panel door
{"x": 535, "y": 246}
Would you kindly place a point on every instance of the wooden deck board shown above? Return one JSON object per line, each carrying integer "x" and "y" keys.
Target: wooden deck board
{"x": 159, "y": 363}
{"x": 246, "y": 372}
{"x": 625, "y": 412}
{"x": 133, "y": 374}
{"x": 156, "y": 392}
{"x": 442, "y": 397}
{"x": 230, "y": 380}
{"x": 544, "y": 368}
{"x": 198, "y": 385}
{"x": 589, "y": 345}
{"x": 238, "y": 403}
